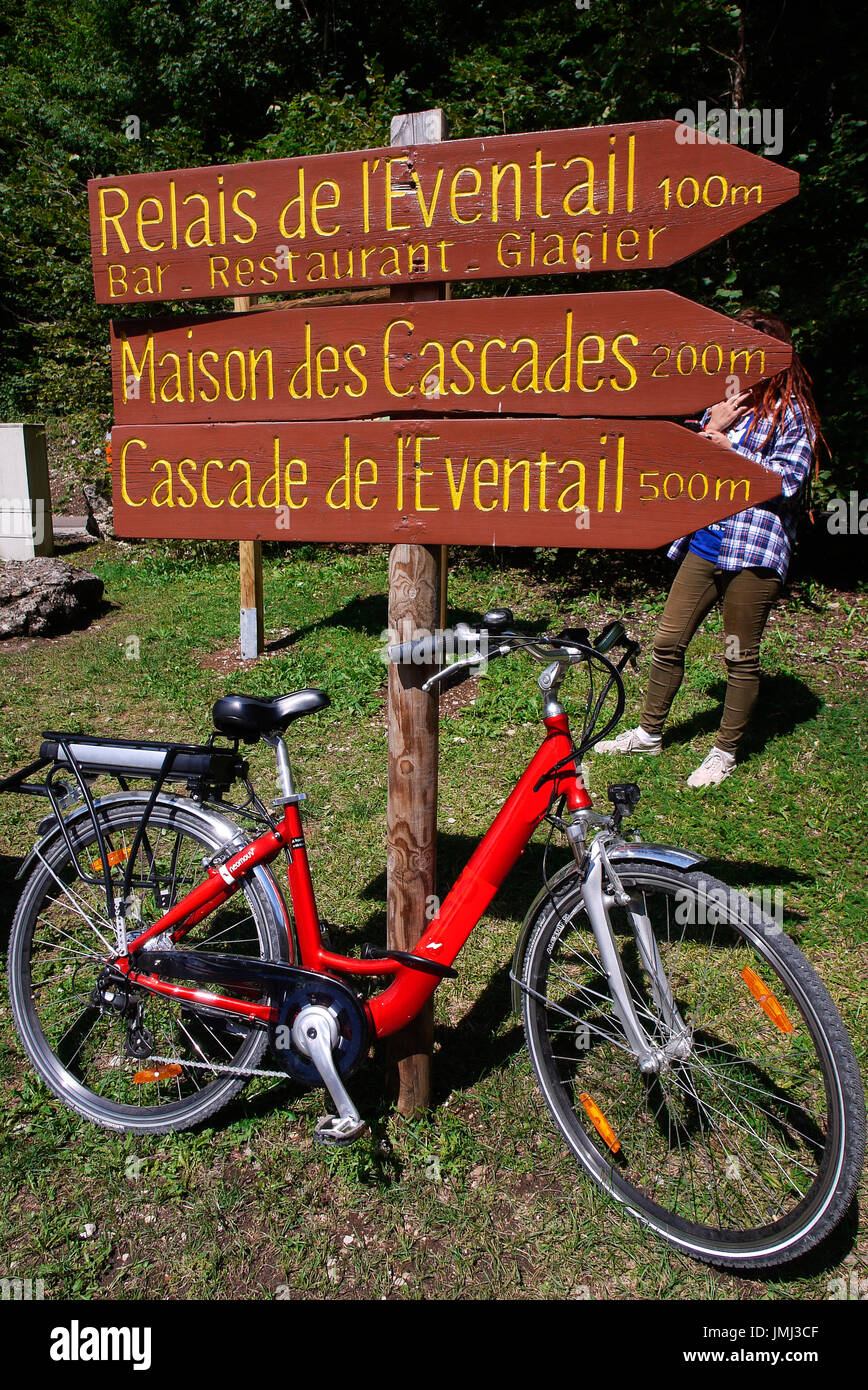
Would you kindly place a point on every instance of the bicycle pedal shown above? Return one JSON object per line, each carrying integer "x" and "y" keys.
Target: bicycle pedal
{"x": 338, "y": 1129}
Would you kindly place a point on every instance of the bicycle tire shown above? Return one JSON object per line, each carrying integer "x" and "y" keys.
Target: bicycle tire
{"x": 59, "y": 965}
{"x": 818, "y": 1050}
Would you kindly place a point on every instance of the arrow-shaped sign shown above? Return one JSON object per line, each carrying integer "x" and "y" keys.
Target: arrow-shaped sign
{"x": 641, "y": 352}
{"x": 593, "y": 482}
{"x": 621, "y": 197}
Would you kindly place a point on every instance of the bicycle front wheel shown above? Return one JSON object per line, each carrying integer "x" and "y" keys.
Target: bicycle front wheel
{"x": 746, "y": 1145}
{"x": 148, "y": 1063}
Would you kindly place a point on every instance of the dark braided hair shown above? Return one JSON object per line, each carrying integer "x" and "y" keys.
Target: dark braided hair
{"x": 771, "y": 398}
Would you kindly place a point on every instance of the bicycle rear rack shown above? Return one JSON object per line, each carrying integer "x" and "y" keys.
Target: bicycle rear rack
{"x": 207, "y": 770}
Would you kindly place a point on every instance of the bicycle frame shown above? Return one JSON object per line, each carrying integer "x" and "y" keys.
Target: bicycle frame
{"x": 409, "y": 987}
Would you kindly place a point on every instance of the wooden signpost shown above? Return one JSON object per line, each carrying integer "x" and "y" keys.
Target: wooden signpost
{"x": 417, "y": 599}
{"x": 252, "y": 615}
{"x": 500, "y": 481}
{"x": 622, "y": 197}
{"x": 640, "y": 352}
{"x": 257, "y": 425}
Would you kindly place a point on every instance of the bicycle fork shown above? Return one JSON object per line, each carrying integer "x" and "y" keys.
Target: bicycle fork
{"x": 601, "y": 890}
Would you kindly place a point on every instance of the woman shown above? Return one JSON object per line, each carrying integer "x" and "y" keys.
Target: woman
{"x": 742, "y": 561}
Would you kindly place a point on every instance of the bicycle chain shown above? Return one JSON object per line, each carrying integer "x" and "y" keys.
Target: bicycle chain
{"x": 218, "y": 1066}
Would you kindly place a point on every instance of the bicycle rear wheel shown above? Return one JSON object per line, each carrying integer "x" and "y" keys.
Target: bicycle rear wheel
{"x": 747, "y": 1151}
{"x": 188, "y": 1063}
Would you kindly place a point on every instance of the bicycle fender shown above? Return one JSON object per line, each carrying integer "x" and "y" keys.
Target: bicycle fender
{"x": 629, "y": 852}
{"x": 222, "y": 824}
{"x": 82, "y": 813}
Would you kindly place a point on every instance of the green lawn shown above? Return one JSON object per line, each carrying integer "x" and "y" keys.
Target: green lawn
{"x": 479, "y": 1199}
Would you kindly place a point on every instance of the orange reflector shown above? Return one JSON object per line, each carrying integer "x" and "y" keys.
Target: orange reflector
{"x": 158, "y": 1073}
{"x": 599, "y": 1121}
{"x": 766, "y": 1000}
{"x": 116, "y": 856}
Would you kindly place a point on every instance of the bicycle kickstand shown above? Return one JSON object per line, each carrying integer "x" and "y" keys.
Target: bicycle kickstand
{"x": 315, "y": 1034}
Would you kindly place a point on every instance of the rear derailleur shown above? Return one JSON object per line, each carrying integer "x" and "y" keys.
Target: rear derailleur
{"x": 114, "y": 995}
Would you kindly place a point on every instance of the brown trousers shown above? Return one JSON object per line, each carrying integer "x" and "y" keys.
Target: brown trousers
{"x": 747, "y": 596}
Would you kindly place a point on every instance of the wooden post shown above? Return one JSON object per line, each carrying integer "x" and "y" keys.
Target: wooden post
{"x": 414, "y": 605}
{"x": 250, "y": 558}
{"x": 444, "y": 583}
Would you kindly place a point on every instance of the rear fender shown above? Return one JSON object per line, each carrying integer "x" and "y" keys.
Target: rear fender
{"x": 219, "y": 824}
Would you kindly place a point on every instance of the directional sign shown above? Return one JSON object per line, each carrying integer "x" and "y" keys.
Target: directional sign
{"x": 621, "y": 197}
{"x": 592, "y": 482}
{"x": 643, "y": 352}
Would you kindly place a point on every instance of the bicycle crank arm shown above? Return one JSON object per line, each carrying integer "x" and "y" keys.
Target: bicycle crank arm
{"x": 315, "y": 1035}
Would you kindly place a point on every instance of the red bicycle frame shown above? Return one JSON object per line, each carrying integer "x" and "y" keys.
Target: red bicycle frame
{"x": 550, "y": 771}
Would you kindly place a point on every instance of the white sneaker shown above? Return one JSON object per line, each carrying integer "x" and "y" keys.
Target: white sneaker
{"x": 716, "y": 767}
{"x": 631, "y": 741}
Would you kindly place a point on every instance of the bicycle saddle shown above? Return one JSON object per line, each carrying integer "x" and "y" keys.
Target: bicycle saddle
{"x": 248, "y": 718}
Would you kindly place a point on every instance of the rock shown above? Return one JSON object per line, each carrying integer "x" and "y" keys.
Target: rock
{"x": 99, "y": 507}
{"x": 41, "y": 596}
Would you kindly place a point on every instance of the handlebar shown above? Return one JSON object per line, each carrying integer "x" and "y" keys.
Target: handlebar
{"x": 557, "y": 651}
{"x": 566, "y": 648}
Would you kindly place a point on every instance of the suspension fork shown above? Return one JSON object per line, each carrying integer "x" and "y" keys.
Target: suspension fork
{"x": 598, "y": 877}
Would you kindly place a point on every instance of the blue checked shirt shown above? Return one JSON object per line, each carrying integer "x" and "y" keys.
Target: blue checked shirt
{"x": 763, "y": 536}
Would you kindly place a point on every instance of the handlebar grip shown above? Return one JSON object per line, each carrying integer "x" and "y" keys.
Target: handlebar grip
{"x": 611, "y": 636}
{"x": 424, "y": 651}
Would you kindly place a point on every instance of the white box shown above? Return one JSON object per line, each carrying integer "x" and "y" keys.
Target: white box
{"x": 25, "y": 493}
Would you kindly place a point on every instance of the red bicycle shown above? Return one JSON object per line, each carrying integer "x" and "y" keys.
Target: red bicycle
{"x": 690, "y": 1056}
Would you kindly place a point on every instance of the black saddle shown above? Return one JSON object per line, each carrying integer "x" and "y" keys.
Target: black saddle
{"x": 248, "y": 718}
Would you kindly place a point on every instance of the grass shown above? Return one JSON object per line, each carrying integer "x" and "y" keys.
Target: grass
{"x": 478, "y": 1199}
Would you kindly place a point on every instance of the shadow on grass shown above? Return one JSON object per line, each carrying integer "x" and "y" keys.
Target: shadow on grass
{"x": 10, "y": 892}
{"x": 784, "y": 703}
{"x": 370, "y": 615}
{"x": 361, "y": 614}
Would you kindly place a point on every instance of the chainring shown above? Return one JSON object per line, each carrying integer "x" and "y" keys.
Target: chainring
{"x": 349, "y": 1014}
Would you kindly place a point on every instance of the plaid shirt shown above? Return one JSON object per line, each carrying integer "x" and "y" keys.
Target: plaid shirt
{"x": 763, "y": 536}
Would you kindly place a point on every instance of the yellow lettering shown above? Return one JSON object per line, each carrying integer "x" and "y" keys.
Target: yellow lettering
{"x": 142, "y": 222}
{"x": 498, "y": 174}
{"x": 245, "y": 484}
{"x": 483, "y": 366}
{"x": 204, "y": 218}
{"x": 479, "y": 483}
{"x": 123, "y": 468}
{"x": 156, "y": 499}
{"x": 455, "y": 193}
{"x": 251, "y": 221}
{"x": 387, "y": 378}
{"x": 114, "y": 219}
{"x": 321, "y": 204}
{"x": 586, "y": 184}
{"x": 205, "y": 497}
{"x": 584, "y": 359}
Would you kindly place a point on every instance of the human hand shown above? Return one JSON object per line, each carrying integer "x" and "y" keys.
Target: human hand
{"x": 717, "y": 437}
{"x": 727, "y": 413}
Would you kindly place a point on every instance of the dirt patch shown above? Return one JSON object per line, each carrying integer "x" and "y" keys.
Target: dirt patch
{"x": 452, "y": 702}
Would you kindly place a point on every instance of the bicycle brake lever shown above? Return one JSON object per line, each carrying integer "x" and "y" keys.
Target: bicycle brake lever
{"x": 465, "y": 665}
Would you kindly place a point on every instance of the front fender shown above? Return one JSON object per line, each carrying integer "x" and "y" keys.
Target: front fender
{"x": 629, "y": 852}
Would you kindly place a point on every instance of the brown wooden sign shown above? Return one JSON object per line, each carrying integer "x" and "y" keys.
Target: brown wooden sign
{"x": 592, "y": 482}
{"x": 643, "y": 352}
{"x": 621, "y": 197}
